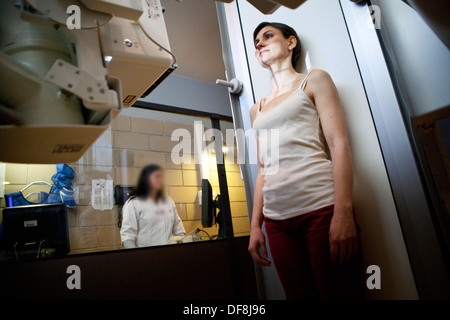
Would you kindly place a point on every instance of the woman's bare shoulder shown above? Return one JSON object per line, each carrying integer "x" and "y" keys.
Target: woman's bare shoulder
{"x": 319, "y": 75}
{"x": 254, "y": 111}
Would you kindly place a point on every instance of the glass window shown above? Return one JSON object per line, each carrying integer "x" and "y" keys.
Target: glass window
{"x": 139, "y": 137}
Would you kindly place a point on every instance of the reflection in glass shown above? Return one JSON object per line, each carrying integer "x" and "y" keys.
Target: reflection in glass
{"x": 137, "y": 138}
{"x": 150, "y": 217}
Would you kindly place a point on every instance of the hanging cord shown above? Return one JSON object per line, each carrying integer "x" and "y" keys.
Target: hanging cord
{"x": 201, "y": 230}
{"x": 174, "y": 62}
{"x": 15, "y": 251}
{"x": 39, "y": 249}
{"x": 192, "y": 233}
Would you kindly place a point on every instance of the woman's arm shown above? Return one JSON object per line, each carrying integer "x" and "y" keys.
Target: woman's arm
{"x": 129, "y": 229}
{"x": 343, "y": 237}
{"x": 257, "y": 238}
{"x": 178, "y": 228}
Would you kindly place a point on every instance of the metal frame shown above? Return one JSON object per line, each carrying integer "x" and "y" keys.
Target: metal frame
{"x": 440, "y": 213}
{"x": 408, "y": 188}
{"x": 234, "y": 54}
{"x": 223, "y": 184}
{"x": 236, "y": 64}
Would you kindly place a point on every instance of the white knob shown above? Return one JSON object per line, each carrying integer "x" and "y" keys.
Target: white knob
{"x": 235, "y": 86}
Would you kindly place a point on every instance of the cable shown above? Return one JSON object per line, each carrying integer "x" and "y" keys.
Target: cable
{"x": 39, "y": 249}
{"x": 189, "y": 234}
{"x": 174, "y": 62}
{"x": 201, "y": 230}
{"x": 194, "y": 232}
{"x": 15, "y": 251}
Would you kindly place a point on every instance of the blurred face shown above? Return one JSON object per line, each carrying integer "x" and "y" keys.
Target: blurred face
{"x": 156, "y": 180}
{"x": 272, "y": 46}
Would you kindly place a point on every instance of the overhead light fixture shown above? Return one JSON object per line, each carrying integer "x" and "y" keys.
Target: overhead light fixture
{"x": 225, "y": 149}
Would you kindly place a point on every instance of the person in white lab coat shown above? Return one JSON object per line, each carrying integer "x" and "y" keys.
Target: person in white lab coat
{"x": 150, "y": 217}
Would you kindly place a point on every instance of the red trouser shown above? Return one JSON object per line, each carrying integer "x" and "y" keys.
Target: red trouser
{"x": 300, "y": 249}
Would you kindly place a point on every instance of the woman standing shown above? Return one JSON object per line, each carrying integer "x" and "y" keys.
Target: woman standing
{"x": 150, "y": 218}
{"x": 304, "y": 198}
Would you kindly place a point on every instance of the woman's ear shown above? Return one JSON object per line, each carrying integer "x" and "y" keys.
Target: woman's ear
{"x": 292, "y": 42}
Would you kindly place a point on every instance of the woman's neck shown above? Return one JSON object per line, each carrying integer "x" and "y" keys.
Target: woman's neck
{"x": 153, "y": 195}
{"x": 283, "y": 75}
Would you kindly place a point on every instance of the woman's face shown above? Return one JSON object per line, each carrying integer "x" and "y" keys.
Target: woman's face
{"x": 271, "y": 46}
{"x": 156, "y": 180}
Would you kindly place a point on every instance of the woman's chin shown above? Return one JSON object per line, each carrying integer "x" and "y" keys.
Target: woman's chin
{"x": 266, "y": 64}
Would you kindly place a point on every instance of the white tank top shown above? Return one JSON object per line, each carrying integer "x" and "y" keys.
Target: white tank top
{"x": 299, "y": 178}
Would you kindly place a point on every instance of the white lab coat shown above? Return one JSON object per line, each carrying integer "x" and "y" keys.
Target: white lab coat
{"x": 146, "y": 223}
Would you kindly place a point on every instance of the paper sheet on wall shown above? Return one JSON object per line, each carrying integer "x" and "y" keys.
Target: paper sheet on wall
{"x": 102, "y": 194}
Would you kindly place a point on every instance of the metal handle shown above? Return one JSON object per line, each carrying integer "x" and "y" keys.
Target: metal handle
{"x": 235, "y": 86}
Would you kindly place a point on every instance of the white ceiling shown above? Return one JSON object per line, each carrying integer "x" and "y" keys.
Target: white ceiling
{"x": 194, "y": 38}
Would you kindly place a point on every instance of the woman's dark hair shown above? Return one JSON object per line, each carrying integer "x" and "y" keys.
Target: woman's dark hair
{"x": 287, "y": 32}
{"x": 143, "y": 187}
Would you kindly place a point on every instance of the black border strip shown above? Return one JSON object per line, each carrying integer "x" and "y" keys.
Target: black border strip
{"x": 185, "y": 111}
